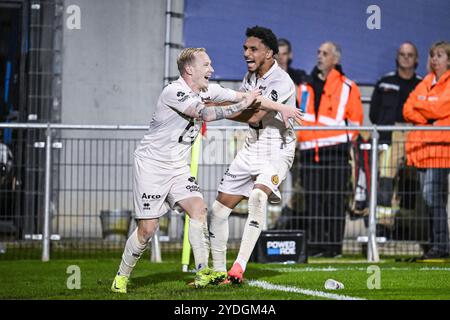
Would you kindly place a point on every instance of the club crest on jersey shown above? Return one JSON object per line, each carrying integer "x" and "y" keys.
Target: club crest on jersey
{"x": 274, "y": 95}
{"x": 275, "y": 179}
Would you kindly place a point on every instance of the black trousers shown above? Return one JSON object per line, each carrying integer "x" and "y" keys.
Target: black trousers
{"x": 326, "y": 185}
{"x": 434, "y": 185}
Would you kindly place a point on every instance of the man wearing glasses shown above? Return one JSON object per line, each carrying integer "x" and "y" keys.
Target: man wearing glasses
{"x": 386, "y": 108}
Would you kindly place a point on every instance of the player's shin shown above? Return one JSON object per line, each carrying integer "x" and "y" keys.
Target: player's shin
{"x": 219, "y": 235}
{"x": 133, "y": 251}
{"x": 199, "y": 240}
{"x": 257, "y": 204}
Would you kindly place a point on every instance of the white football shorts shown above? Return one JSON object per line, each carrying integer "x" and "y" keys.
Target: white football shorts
{"x": 248, "y": 169}
{"x": 156, "y": 190}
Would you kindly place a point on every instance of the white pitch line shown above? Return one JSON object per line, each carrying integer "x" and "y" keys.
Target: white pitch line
{"x": 315, "y": 293}
{"x": 434, "y": 269}
{"x": 334, "y": 269}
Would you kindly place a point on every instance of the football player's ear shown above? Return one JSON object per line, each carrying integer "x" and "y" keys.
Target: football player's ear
{"x": 188, "y": 69}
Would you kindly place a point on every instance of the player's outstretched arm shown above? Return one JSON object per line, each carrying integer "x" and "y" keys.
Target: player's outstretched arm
{"x": 286, "y": 111}
{"x": 211, "y": 113}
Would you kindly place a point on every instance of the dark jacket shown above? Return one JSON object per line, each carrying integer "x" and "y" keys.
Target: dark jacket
{"x": 297, "y": 75}
{"x": 388, "y": 97}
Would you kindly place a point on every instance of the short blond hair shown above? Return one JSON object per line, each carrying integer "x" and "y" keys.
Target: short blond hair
{"x": 439, "y": 45}
{"x": 187, "y": 56}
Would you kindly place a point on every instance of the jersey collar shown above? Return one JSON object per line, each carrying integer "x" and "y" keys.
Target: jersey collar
{"x": 271, "y": 70}
{"x": 252, "y": 76}
{"x": 185, "y": 85}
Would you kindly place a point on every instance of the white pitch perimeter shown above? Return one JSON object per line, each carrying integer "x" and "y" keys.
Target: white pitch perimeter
{"x": 269, "y": 286}
{"x": 334, "y": 269}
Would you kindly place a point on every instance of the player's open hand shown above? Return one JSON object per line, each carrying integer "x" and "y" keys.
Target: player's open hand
{"x": 290, "y": 112}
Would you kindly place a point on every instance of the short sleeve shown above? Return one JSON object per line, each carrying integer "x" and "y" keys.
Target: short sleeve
{"x": 280, "y": 90}
{"x": 177, "y": 98}
{"x": 220, "y": 94}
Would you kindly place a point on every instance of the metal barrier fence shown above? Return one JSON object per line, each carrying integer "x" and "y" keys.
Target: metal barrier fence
{"x": 74, "y": 196}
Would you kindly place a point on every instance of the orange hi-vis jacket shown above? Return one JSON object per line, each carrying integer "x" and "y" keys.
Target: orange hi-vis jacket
{"x": 340, "y": 105}
{"x": 429, "y": 104}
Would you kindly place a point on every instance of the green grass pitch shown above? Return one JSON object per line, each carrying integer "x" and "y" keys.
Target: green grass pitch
{"x": 32, "y": 279}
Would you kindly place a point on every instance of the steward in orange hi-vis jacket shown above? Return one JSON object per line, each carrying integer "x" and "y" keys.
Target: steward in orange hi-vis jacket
{"x": 429, "y": 104}
{"x": 328, "y": 99}
{"x": 340, "y": 105}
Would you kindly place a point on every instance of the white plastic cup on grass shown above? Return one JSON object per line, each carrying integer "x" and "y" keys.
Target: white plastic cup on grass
{"x": 332, "y": 284}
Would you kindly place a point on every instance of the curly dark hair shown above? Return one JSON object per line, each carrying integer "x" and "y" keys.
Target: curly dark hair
{"x": 265, "y": 35}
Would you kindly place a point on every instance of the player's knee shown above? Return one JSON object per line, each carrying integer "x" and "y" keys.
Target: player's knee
{"x": 257, "y": 200}
{"x": 199, "y": 212}
{"x": 146, "y": 231}
{"x": 220, "y": 211}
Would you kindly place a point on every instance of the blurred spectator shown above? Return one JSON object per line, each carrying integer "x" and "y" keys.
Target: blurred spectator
{"x": 331, "y": 99}
{"x": 284, "y": 59}
{"x": 386, "y": 108}
{"x": 429, "y": 104}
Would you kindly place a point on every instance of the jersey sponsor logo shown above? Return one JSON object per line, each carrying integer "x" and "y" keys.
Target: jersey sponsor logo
{"x": 275, "y": 179}
{"x": 180, "y": 94}
{"x": 274, "y": 95}
{"x": 151, "y": 196}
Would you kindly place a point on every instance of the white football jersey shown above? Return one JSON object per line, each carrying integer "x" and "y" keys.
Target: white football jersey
{"x": 278, "y": 86}
{"x": 172, "y": 133}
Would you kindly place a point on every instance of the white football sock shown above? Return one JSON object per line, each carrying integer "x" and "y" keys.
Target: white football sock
{"x": 257, "y": 204}
{"x": 199, "y": 240}
{"x": 218, "y": 234}
{"x": 131, "y": 254}
{"x": 242, "y": 263}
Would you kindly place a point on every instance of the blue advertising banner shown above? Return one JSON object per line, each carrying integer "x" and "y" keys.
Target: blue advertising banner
{"x": 369, "y": 32}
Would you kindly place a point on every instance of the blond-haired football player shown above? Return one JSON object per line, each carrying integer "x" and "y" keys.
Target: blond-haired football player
{"x": 161, "y": 175}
